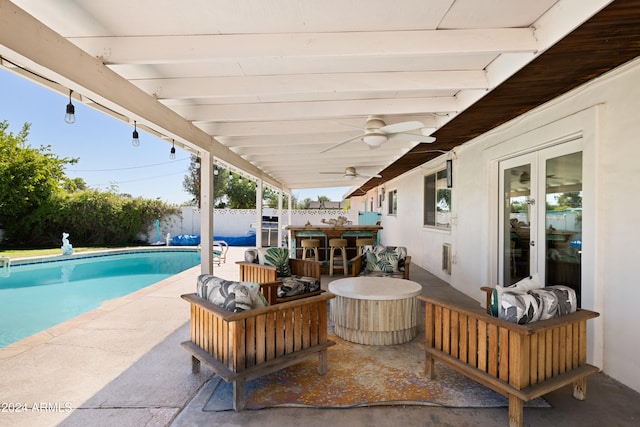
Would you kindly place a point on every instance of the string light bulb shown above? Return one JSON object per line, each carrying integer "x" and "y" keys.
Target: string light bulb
{"x": 197, "y": 165}
{"x": 135, "y": 140}
{"x": 70, "y": 116}
{"x": 172, "y": 153}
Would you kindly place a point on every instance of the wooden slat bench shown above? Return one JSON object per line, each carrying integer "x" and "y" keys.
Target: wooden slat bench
{"x": 243, "y": 346}
{"x": 521, "y": 362}
{"x": 357, "y": 265}
{"x": 265, "y": 275}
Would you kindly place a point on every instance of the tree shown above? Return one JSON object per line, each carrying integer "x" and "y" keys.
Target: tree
{"x": 192, "y": 183}
{"x": 28, "y": 176}
{"x": 305, "y": 203}
{"x": 38, "y": 201}
{"x": 71, "y": 185}
{"x": 241, "y": 192}
{"x": 572, "y": 199}
{"x": 230, "y": 190}
{"x": 271, "y": 198}
{"x": 323, "y": 199}
{"x": 220, "y": 186}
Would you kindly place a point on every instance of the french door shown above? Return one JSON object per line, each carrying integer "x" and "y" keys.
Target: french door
{"x": 541, "y": 216}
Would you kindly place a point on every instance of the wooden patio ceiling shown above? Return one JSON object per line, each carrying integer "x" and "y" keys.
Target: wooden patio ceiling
{"x": 606, "y": 41}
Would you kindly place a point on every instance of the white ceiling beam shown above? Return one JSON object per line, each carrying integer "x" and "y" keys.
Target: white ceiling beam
{"x": 28, "y": 42}
{"x": 319, "y": 109}
{"x": 287, "y": 162}
{"x": 304, "y": 127}
{"x": 202, "y": 48}
{"x": 303, "y": 145}
{"x": 220, "y": 87}
{"x": 273, "y": 65}
{"x": 282, "y": 165}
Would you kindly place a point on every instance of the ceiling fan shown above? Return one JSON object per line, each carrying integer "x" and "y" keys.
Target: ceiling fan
{"x": 351, "y": 173}
{"x": 376, "y": 133}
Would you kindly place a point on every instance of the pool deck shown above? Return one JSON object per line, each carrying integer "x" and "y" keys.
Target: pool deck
{"x": 122, "y": 364}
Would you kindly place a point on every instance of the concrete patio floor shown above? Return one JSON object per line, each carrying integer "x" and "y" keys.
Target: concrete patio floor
{"x": 122, "y": 364}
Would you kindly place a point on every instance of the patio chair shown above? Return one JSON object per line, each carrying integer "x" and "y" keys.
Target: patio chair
{"x": 297, "y": 278}
{"x": 243, "y": 345}
{"x": 382, "y": 261}
{"x": 220, "y": 248}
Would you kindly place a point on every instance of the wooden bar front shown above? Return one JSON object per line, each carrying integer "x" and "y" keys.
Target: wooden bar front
{"x": 326, "y": 232}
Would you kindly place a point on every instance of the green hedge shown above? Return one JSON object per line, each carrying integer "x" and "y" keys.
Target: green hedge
{"x": 90, "y": 217}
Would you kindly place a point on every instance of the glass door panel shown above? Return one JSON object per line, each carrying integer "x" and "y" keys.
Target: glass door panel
{"x": 516, "y": 220}
{"x": 563, "y": 221}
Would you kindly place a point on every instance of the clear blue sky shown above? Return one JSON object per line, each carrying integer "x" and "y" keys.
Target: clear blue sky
{"x": 103, "y": 145}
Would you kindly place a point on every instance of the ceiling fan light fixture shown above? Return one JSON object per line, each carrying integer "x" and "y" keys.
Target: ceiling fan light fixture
{"x": 374, "y": 139}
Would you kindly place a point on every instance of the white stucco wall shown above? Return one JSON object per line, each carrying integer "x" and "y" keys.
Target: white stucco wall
{"x": 603, "y": 116}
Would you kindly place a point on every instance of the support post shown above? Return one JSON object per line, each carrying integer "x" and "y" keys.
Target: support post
{"x": 259, "y": 213}
{"x": 206, "y": 213}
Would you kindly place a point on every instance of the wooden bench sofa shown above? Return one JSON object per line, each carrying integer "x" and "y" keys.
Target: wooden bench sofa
{"x": 359, "y": 267}
{"x": 243, "y": 346}
{"x": 521, "y": 362}
{"x": 266, "y": 276}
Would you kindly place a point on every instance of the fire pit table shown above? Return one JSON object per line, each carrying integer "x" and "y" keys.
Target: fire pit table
{"x": 375, "y": 310}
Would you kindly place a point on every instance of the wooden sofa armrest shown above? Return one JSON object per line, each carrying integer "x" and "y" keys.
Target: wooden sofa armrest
{"x": 270, "y": 291}
{"x": 305, "y": 267}
{"x": 356, "y": 265}
{"x": 407, "y": 265}
{"x": 250, "y": 272}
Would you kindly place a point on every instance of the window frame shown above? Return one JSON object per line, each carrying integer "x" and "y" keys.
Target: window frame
{"x": 433, "y": 184}
{"x": 392, "y": 202}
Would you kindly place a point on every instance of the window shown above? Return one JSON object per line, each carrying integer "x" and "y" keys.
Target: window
{"x": 437, "y": 200}
{"x": 392, "y": 196}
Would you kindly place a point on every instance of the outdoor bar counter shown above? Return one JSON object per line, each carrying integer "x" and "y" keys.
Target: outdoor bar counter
{"x": 325, "y": 232}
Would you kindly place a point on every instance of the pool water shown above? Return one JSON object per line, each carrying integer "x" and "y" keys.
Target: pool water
{"x": 37, "y": 296}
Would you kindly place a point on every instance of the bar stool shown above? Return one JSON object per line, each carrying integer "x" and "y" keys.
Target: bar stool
{"x": 361, "y": 243}
{"x": 339, "y": 245}
{"x": 310, "y": 245}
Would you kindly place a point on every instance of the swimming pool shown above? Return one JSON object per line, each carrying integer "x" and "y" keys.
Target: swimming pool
{"x": 41, "y": 293}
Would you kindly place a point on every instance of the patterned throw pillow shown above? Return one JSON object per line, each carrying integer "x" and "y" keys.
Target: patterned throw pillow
{"x": 232, "y": 296}
{"x": 370, "y": 261}
{"x": 276, "y": 257}
{"x": 386, "y": 259}
{"x": 296, "y": 285}
{"x": 251, "y": 255}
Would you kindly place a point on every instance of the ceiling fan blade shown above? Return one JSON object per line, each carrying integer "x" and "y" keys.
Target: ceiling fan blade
{"x": 366, "y": 175}
{"x": 341, "y": 143}
{"x": 401, "y": 127}
{"x": 412, "y": 137}
{"x": 332, "y": 173}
